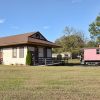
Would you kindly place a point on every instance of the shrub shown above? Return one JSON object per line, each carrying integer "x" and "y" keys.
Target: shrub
{"x": 28, "y": 58}
{"x": 59, "y": 57}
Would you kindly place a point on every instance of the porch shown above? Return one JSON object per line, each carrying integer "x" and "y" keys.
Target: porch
{"x": 48, "y": 61}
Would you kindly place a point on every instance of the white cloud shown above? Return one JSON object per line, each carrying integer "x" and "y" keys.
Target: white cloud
{"x": 76, "y": 1}
{"x": 2, "y": 21}
{"x": 46, "y": 27}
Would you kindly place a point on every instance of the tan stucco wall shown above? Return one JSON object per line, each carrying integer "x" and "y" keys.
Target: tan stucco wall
{"x": 8, "y": 59}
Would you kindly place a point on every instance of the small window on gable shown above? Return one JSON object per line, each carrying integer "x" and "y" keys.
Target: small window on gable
{"x": 37, "y": 36}
{"x": 21, "y": 52}
{"x": 14, "y": 52}
{"x": 97, "y": 51}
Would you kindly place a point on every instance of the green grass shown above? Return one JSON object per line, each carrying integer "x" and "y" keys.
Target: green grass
{"x": 49, "y": 83}
{"x": 75, "y": 61}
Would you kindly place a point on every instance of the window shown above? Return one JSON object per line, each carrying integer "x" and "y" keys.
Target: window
{"x": 21, "y": 52}
{"x": 1, "y": 50}
{"x": 1, "y": 54}
{"x": 14, "y": 52}
{"x": 97, "y": 51}
{"x": 37, "y": 36}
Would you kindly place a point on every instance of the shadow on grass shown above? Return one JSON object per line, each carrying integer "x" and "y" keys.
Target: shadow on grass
{"x": 76, "y": 64}
{"x": 68, "y": 64}
{"x": 72, "y": 64}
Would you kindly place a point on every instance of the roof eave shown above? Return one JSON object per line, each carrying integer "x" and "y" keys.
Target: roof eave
{"x": 43, "y": 44}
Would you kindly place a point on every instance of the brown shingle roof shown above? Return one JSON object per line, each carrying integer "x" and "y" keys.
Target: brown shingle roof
{"x": 24, "y": 39}
{"x": 15, "y": 39}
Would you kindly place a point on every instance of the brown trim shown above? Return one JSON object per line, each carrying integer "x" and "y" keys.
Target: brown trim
{"x": 32, "y": 43}
{"x": 14, "y": 45}
{"x": 44, "y": 43}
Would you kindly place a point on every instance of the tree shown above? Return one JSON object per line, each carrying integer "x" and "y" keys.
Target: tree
{"x": 91, "y": 43}
{"x": 28, "y": 58}
{"x": 94, "y": 29}
{"x": 69, "y": 30}
{"x": 71, "y": 41}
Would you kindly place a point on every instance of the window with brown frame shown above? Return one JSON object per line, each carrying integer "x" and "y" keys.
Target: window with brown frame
{"x": 97, "y": 51}
{"x": 14, "y": 52}
{"x": 21, "y": 52}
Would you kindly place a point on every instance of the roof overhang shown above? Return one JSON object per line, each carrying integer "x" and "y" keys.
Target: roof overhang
{"x": 43, "y": 43}
{"x": 31, "y": 43}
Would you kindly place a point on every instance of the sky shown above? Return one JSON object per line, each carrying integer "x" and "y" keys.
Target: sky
{"x": 50, "y": 17}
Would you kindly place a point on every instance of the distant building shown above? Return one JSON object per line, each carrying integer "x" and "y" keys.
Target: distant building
{"x": 63, "y": 54}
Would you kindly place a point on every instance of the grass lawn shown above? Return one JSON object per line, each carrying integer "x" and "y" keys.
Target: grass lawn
{"x": 49, "y": 83}
{"x": 75, "y": 61}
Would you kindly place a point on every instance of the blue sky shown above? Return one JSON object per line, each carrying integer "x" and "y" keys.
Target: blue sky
{"x": 47, "y": 16}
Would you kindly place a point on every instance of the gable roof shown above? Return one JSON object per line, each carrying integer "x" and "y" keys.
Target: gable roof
{"x": 25, "y": 39}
